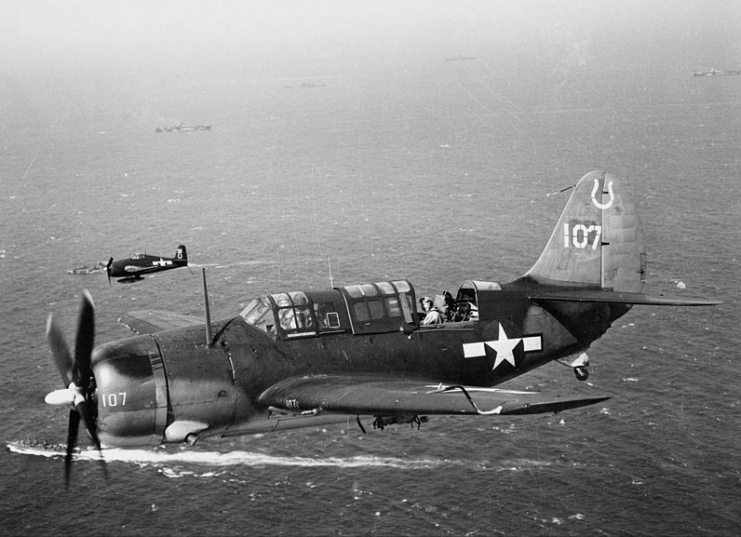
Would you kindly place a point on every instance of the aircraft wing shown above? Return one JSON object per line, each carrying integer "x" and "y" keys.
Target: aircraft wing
{"x": 383, "y": 397}
{"x": 136, "y": 269}
{"x": 151, "y": 321}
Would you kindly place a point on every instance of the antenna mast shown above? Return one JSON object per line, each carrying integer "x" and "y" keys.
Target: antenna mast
{"x": 209, "y": 339}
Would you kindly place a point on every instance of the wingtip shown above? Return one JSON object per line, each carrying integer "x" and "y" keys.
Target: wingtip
{"x": 49, "y": 324}
{"x": 87, "y": 297}
{"x": 552, "y": 406}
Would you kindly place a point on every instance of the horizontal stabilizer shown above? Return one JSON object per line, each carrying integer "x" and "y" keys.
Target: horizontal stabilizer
{"x": 615, "y": 297}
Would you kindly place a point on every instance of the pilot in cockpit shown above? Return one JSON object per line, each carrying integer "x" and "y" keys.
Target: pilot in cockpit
{"x": 432, "y": 314}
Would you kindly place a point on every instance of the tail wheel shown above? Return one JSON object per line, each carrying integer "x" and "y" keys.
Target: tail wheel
{"x": 581, "y": 373}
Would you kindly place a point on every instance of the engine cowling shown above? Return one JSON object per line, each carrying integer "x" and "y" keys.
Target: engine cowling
{"x": 162, "y": 388}
{"x": 131, "y": 392}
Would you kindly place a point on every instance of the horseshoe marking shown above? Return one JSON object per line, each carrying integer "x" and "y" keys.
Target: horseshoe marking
{"x": 598, "y": 204}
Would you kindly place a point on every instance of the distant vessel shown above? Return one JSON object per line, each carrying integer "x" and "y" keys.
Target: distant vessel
{"x": 307, "y": 85}
{"x": 183, "y": 128}
{"x": 88, "y": 269}
{"x": 717, "y": 72}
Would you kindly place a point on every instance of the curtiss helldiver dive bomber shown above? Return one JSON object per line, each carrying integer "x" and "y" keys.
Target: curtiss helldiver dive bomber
{"x": 304, "y": 358}
{"x": 132, "y": 269}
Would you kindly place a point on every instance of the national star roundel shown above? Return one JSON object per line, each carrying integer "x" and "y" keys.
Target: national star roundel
{"x": 505, "y": 347}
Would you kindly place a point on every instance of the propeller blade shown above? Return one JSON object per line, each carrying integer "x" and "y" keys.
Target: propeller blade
{"x": 88, "y": 420}
{"x": 85, "y": 342}
{"x": 59, "y": 349}
{"x": 77, "y": 375}
{"x": 74, "y": 426}
{"x": 108, "y": 269}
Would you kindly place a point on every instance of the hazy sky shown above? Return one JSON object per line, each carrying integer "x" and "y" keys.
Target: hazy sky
{"x": 45, "y": 33}
{"x": 105, "y": 46}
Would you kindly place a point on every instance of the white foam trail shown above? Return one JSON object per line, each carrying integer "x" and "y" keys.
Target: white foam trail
{"x": 147, "y": 457}
{"x": 191, "y": 463}
{"x": 245, "y": 458}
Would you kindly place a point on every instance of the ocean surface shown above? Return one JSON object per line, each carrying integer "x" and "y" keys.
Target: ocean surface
{"x": 431, "y": 151}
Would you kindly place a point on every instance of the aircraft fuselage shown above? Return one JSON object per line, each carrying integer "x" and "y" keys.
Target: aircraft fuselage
{"x": 148, "y": 382}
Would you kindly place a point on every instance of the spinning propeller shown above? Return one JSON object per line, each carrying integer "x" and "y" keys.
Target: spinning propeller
{"x": 77, "y": 375}
{"x": 108, "y": 269}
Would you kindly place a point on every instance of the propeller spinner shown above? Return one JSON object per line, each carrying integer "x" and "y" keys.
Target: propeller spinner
{"x": 77, "y": 375}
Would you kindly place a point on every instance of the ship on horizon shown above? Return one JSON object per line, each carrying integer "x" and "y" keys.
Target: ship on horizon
{"x": 716, "y": 72}
{"x": 183, "y": 128}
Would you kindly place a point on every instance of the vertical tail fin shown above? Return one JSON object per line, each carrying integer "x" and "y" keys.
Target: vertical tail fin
{"x": 598, "y": 241}
{"x": 181, "y": 253}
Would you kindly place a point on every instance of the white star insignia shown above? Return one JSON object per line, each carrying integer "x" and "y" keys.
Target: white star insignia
{"x": 504, "y": 347}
